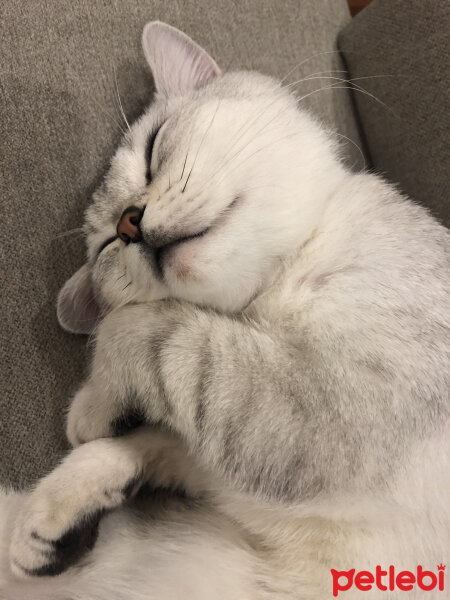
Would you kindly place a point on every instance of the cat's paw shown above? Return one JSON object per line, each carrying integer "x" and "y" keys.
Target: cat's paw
{"x": 33, "y": 554}
{"x": 90, "y": 416}
{"x": 58, "y": 523}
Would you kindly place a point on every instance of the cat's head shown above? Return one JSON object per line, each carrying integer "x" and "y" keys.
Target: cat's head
{"x": 219, "y": 180}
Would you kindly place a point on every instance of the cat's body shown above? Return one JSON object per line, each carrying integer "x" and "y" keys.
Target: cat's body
{"x": 309, "y": 382}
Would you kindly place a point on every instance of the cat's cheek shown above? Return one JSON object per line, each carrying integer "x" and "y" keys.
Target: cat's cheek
{"x": 181, "y": 264}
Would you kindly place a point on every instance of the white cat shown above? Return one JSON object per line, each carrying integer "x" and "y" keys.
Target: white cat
{"x": 281, "y": 326}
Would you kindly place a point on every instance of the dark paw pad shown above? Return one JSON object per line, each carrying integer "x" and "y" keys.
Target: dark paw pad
{"x": 68, "y": 549}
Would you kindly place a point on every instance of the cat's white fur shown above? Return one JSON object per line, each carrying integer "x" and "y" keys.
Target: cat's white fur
{"x": 316, "y": 257}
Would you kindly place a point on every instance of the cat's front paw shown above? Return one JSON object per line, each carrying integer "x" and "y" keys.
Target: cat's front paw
{"x": 90, "y": 416}
{"x": 58, "y": 522}
{"x": 40, "y": 547}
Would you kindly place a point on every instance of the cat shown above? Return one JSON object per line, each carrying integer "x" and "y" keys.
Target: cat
{"x": 277, "y": 326}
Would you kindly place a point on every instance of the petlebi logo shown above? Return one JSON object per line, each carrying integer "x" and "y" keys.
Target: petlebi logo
{"x": 389, "y": 580}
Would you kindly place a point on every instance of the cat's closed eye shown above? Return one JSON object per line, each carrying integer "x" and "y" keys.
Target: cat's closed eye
{"x": 148, "y": 153}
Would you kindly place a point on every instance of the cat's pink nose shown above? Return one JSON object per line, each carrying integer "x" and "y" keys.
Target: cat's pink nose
{"x": 128, "y": 226}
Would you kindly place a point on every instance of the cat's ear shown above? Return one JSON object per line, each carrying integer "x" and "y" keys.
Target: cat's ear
{"x": 178, "y": 64}
{"x": 77, "y": 310}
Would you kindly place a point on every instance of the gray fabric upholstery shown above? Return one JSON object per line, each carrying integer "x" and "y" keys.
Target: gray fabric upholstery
{"x": 405, "y": 44}
{"x": 59, "y": 126}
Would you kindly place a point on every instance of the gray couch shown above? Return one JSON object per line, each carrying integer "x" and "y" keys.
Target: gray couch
{"x": 60, "y": 124}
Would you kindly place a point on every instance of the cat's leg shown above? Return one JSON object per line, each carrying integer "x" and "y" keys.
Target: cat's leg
{"x": 215, "y": 380}
{"x": 58, "y": 522}
{"x": 252, "y": 404}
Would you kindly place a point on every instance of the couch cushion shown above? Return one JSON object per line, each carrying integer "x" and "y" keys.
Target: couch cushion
{"x": 405, "y": 47}
{"x": 60, "y": 124}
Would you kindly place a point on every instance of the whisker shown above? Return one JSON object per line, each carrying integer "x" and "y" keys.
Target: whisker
{"x": 242, "y": 134}
{"x": 358, "y": 88}
{"x": 76, "y": 75}
{"x": 306, "y": 60}
{"x": 225, "y": 161}
{"x": 355, "y": 78}
{"x": 258, "y": 116}
{"x": 184, "y": 165}
{"x": 337, "y": 52}
{"x": 249, "y": 125}
{"x": 187, "y": 151}
{"x": 76, "y": 231}
{"x": 201, "y": 143}
{"x": 351, "y": 84}
{"x": 307, "y": 78}
{"x": 312, "y": 76}
{"x": 264, "y": 186}
{"x": 112, "y": 119}
{"x": 120, "y": 101}
{"x": 323, "y": 76}
{"x": 271, "y": 143}
{"x": 354, "y": 144}
{"x": 326, "y": 71}
{"x": 128, "y": 284}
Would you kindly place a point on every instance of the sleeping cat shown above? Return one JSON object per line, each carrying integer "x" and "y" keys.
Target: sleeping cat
{"x": 280, "y": 326}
